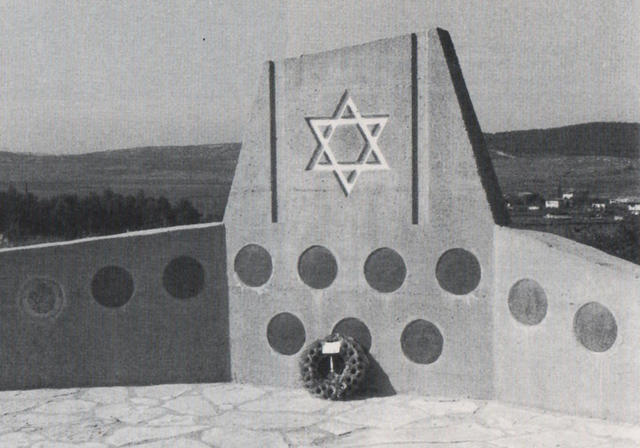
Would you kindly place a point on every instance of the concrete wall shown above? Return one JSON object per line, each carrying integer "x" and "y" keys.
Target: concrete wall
{"x": 54, "y": 333}
{"x": 545, "y": 364}
{"x": 433, "y": 198}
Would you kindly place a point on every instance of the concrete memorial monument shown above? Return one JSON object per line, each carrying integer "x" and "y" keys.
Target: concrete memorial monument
{"x": 365, "y": 186}
{"x": 364, "y": 202}
{"x": 371, "y": 203}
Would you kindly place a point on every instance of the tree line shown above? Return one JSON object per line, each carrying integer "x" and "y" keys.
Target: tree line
{"x": 25, "y": 217}
{"x": 623, "y": 242}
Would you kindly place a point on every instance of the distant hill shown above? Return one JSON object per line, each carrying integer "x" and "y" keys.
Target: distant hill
{"x": 588, "y": 139}
{"x": 200, "y": 173}
{"x": 603, "y": 158}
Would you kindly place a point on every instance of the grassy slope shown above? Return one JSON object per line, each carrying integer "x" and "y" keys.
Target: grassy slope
{"x": 601, "y": 176}
{"x": 588, "y": 139}
{"x": 202, "y": 173}
{"x": 603, "y": 158}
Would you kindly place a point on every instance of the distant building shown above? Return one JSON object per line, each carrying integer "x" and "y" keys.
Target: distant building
{"x": 508, "y": 200}
{"x": 552, "y": 203}
{"x": 528, "y": 199}
{"x": 524, "y": 201}
{"x": 599, "y": 205}
{"x": 572, "y": 198}
{"x": 625, "y": 200}
{"x": 550, "y": 216}
{"x": 634, "y": 209}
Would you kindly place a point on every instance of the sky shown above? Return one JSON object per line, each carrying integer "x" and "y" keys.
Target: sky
{"x": 79, "y": 76}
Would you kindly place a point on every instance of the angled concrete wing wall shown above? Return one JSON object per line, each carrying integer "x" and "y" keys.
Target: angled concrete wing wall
{"x": 144, "y": 308}
{"x": 360, "y": 195}
{"x": 567, "y": 327}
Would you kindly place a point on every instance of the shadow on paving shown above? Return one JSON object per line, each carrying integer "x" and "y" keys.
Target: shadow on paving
{"x": 377, "y": 383}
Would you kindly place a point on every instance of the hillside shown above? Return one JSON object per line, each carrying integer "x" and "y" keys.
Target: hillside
{"x": 588, "y": 139}
{"x": 201, "y": 173}
{"x": 603, "y": 158}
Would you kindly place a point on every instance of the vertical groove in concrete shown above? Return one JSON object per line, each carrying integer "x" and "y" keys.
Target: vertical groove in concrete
{"x": 273, "y": 140}
{"x": 414, "y": 129}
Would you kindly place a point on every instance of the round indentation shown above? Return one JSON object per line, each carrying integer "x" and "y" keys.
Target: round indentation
{"x": 112, "y": 286}
{"x": 317, "y": 267}
{"x": 527, "y": 302}
{"x": 422, "y": 342}
{"x": 458, "y": 271}
{"x": 595, "y": 327}
{"x": 41, "y": 297}
{"x": 183, "y": 277}
{"x": 385, "y": 270}
{"x": 355, "y": 329}
{"x": 285, "y": 333}
{"x": 253, "y": 265}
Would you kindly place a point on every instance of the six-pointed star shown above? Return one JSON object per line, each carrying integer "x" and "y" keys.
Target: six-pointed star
{"x": 370, "y": 157}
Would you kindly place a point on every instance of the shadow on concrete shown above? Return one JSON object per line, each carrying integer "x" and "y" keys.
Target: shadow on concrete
{"x": 377, "y": 383}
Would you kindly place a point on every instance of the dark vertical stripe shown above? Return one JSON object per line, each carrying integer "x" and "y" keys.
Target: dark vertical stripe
{"x": 414, "y": 129}
{"x": 274, "y": 142}
{"x": 483, "y": 160}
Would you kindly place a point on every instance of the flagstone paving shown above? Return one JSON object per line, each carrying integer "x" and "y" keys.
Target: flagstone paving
{"x": 235, "y": 415}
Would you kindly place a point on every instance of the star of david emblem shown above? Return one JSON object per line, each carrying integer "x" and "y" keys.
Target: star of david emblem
{"x": 369, "y": 157}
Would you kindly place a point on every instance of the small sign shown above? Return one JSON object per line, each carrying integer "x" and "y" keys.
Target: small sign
{"x": 330, "y": 348}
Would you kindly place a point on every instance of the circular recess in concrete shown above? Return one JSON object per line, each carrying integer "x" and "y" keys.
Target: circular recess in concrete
{"x": 595, "y": 327}
{"x": 385, "y": 270}
{"x": 458, "y": 271}
{"x": 422, "y": 342}
{"x": 253, "y": 265}
{"x": 317, "y": 267}
{"x": 356, "y": 329}
{"x": 527, "y": 302}
{"x": 41, "y": 297}
{"x": 285, "y": 333}
{"x": 183, "y": 277}
{"x": 112, "y": 286}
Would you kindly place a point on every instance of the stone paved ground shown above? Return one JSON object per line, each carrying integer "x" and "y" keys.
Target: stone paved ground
{"x": 233, "y": 415}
